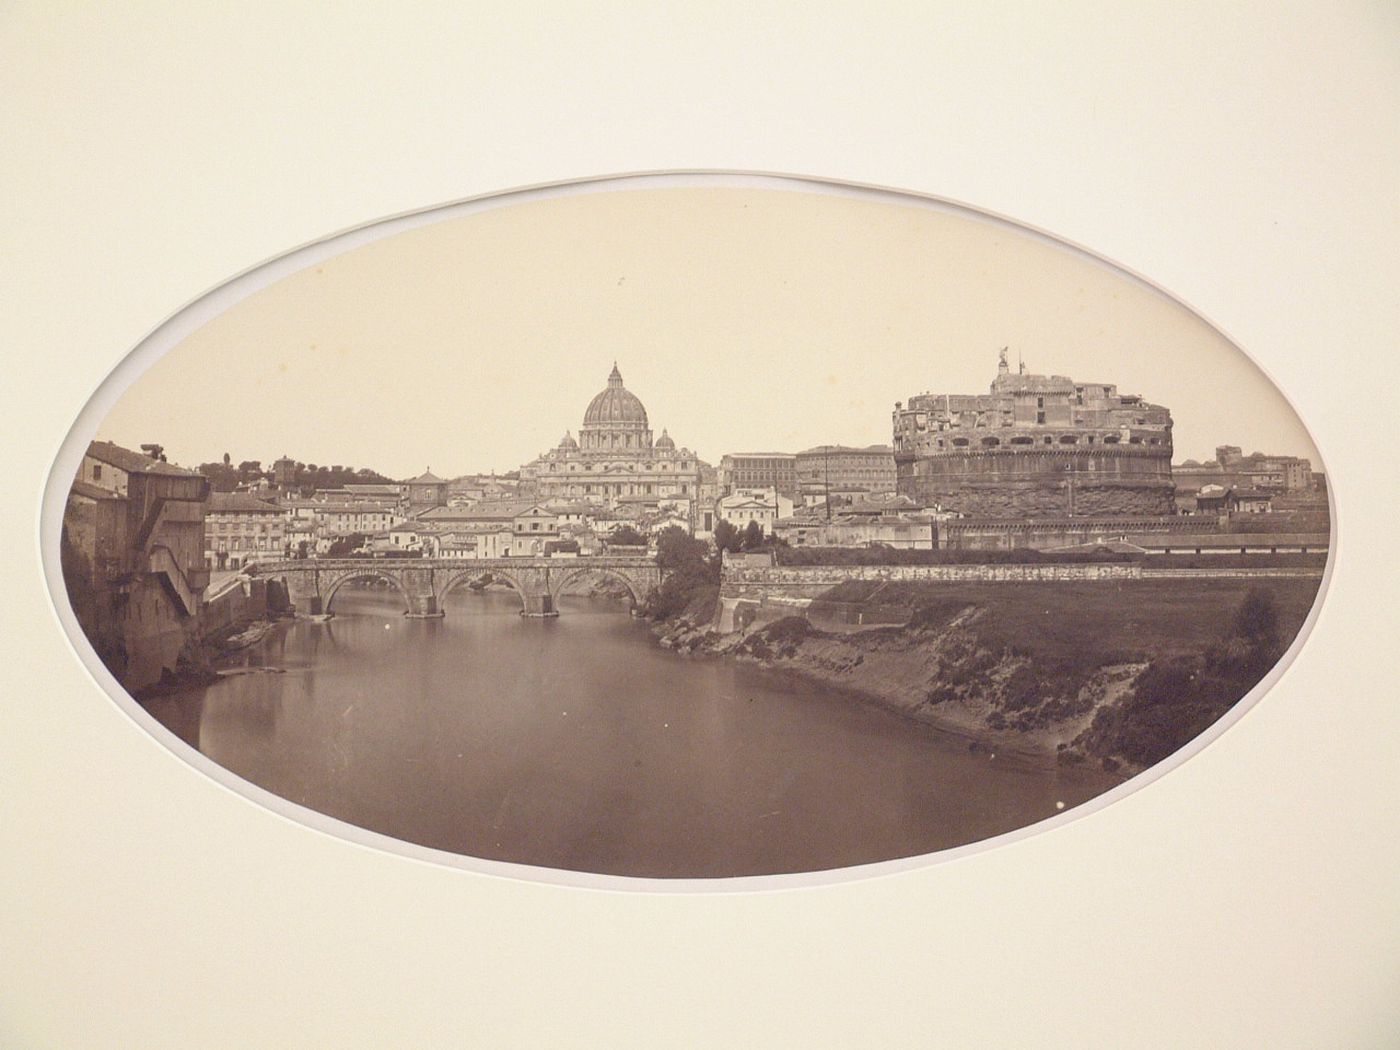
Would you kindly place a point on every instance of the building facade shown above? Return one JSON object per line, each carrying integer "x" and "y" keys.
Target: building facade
{"x": 343, "y": 519}
{"x": 842, "y": 469}
{"x": 240, "y": 530}
{"x": 903, "y": 531}
{"x": 505, "y": 529}
{"x": 758, "y": 470}
{"x": 425, "y": 491}
{"x": 1231, "y": 468}
{"x": 1035, "y": 445}
{"x": 613, "y": 456}
{"x": 132, "y": 551}
{"x": 765, "y": 506}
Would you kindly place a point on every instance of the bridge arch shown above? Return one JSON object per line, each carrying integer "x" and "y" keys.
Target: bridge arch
{"x": 456, "y": 579}
{"x": 569, "y": 577}
{"x": 329, "y": 591}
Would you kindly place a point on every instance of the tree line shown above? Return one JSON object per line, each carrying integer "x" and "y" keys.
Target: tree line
{"x": 225, "y": 476}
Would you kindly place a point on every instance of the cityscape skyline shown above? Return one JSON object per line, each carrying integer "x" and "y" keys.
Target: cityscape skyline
{"x": 238, "y": 449}
{"x": 746, "y": 320}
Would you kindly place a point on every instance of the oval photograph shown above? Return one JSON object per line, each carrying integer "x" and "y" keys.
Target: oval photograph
{"x": 687, "y": 527}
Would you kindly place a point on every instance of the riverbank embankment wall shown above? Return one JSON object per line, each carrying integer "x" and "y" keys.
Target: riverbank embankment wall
{"x": 750, "y": 594}
{"x": 243, "y": 602}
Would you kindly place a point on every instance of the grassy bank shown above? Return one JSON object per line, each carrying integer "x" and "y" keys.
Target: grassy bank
{"x": 1119, "y": 673}
{"x": 1084, "y": 621}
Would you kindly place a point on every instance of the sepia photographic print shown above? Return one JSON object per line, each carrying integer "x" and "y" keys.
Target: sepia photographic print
{"x": 692, "y": 527}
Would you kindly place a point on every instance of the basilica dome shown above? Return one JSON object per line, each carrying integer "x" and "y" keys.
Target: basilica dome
{"x": 615, "y": 404}
{"x": 665, "y": 441}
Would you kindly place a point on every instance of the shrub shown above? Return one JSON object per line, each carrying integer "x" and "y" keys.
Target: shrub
{"x": 1171, "y": 703}
{"x": 788, "y": 629}
{"x": 626, "y": 536}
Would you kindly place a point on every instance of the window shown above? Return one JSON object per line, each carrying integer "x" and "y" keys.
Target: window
{"x": 97, "y": 472}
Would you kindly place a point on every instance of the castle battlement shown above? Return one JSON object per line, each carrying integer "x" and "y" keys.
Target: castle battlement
{"x": 1035, "y": 444}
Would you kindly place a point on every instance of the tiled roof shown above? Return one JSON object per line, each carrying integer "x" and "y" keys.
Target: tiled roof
{"x": 426, "y": 478}
{"x": 869, "y": 506}
{"x": 91, "y": 491}
{"x": 497, "y": 510}
{"x": 341, "y": 508}
{"x": 883, "y": 450}
{"x": 132, "y": 462}
{"x": 239, "y": 502}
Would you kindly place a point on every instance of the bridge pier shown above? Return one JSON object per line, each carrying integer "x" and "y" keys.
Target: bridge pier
{"x": 539, "y": 605}
{"x": 423, "y": 607}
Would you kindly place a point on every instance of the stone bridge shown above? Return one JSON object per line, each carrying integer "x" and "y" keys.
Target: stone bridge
{"x": 424, "y": 582}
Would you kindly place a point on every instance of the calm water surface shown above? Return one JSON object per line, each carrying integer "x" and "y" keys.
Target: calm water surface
{"x": 579, "y": 743}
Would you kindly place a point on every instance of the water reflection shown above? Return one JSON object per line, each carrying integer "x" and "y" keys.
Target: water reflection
{"x": 578, "y": 743}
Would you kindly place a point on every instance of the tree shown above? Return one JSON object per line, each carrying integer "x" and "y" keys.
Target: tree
{"x": 627, "y": 536}
{"x": 228, "y": 460}
{"x": 690, "y": 574}
{"x": 753, "y": 536}
{"x": 154, "y": 451}
{"x": 344, "y": 545}
{"x": 1254, "y": 643}
{"x": 726, "y": 536}
{"x": 679, "y": 551}
{"x": 222, "y": 477}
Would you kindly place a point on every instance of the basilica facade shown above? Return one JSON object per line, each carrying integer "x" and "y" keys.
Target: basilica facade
{"x": 614, "y": 456}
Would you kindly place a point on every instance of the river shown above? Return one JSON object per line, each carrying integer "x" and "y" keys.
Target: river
{"x": 579, "y": 743}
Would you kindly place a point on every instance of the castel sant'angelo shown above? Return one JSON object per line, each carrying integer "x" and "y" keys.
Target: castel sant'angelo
{"x": 1035, "y": 446}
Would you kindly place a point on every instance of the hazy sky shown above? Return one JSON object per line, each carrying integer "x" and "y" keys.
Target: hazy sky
{"x": 745, "y": 320}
